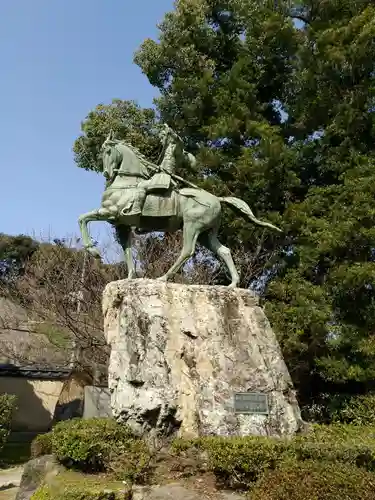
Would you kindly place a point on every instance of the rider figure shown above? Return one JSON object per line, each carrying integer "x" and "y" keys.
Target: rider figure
{"x": 173, "y": 149}
{"x": 171, "y": 155}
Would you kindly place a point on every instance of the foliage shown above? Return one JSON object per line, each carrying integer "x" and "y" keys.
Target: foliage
{"x": 14, "y": 253}
{"x": 42, "y": 445}
{"x": 239, "y": 462}
{"x": 323, "y": 301}
{"x": 338, "y": 444}
{"x": 358, "y": 410}
{"x": 277, "y": 100}
{"x": 314, "y": 480}
{"x": 341, "y": 432}
{"x": 218, "y": 92}
{"x": 100, "y": 444}
{"x": 7, "y": 406}
{"x": 313, "y": 164}
{"x": 330, "y": 458}
{"x": 127, "y": 120}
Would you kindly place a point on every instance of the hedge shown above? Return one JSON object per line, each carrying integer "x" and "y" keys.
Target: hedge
{"x": 239, "y": 462}
{"x": 315, "y": 481}
{"x": 104, "y": 446}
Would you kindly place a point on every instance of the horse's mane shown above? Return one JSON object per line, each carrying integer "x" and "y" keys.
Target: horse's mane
{"x": 142, "y": 158}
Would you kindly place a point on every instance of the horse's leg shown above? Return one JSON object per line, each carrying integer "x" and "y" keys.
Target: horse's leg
{"x": 211, "y": 241}
{"x": 95, "y": 215}
{"x": 190, "y": 236}
{"x": 124, "y": 235}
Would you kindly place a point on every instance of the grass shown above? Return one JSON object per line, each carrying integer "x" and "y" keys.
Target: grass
{"x": 73, "y": 485}
{"x": 89, "y": 481}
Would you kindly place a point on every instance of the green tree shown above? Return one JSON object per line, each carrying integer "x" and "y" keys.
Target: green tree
{"x": 239, "y": 65}
{"x": 323, "y": 300}
{"x": 14, "y": 253}
{"x": 127, "y": 120}
{"x": 277, "y": 101}
{"x": 222, "y": 90}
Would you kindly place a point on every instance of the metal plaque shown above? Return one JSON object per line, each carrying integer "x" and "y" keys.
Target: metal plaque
{"x": 251, "y": 403}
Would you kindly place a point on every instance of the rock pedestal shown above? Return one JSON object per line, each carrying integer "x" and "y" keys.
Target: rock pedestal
{"x": 180, "y": 353}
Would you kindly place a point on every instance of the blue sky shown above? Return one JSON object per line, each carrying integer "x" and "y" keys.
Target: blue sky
{"x": 59, "y": 59}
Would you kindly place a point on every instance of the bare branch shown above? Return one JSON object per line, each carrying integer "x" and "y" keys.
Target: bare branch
{"x": 59, "y": 310}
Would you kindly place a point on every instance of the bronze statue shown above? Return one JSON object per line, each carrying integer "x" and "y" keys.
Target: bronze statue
{"x": 148, "y": 197}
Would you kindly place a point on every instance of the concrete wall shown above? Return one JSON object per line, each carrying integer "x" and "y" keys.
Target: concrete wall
{"x": 36, "y": 401}
{"x": 41, "y": 403}
{"x": 97, "y": 402}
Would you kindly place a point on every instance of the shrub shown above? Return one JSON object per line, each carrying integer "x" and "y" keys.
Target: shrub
{"x": 315, "y": 481}
{"x": 342, "y": 433}
{"x": 42, "y": 445}
{"x": 98, "y": 445}
{"x": 7, "y": 405}
{"x": 338, "y": 443}
{"x": 132, "y": 462}
{"x": 358, "y": 410}
{"x": 239, "y": 462}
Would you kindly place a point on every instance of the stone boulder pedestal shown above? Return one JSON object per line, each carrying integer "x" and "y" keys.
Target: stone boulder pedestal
{"x": 180, "y": 353}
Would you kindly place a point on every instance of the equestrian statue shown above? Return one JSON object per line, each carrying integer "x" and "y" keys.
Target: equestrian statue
{"x": 147, "y": 197}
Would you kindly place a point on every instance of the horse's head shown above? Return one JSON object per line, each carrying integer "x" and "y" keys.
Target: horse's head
{"x": 111, "y": 156}
{"x": 168, "y": 136}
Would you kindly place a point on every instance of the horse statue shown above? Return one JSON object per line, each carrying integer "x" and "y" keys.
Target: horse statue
{"x": 146, "y": 197}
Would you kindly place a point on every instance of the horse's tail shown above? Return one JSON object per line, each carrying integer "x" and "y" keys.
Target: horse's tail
{"x": 245, "y": 211}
